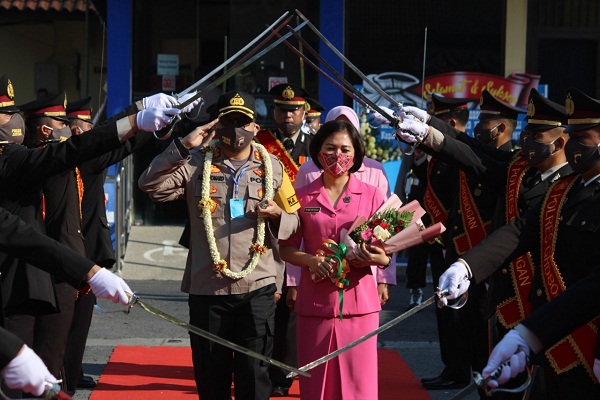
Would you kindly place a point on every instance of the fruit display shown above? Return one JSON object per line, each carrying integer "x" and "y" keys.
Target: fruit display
{"x": 380, "y": 143}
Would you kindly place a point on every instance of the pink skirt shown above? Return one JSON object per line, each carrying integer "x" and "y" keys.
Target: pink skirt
{"x": 350, "y": 376}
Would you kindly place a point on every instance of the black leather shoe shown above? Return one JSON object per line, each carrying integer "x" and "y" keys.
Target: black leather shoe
{"x": 443, "y": 383}
{"x": 279, "y": 391}
{"x": 86, "y": 382}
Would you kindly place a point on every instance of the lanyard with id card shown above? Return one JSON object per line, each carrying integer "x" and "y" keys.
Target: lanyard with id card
{"x": 236, "y": 204}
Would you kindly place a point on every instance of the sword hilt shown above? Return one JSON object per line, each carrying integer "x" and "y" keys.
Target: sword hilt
{"x": 482, "y": 382}
{"x": 167, "y": 131}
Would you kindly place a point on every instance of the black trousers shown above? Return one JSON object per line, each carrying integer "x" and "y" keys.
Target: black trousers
{"x": 247, "y": 320}
{"x": 416, "y": 266}
{"x": 80, "y": 327}
{"x": 284, "y": 342}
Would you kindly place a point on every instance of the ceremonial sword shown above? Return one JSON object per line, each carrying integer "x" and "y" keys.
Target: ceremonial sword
{"x": 437, "y": 295}
{"x": 226, "y": 76}
{"x": 211, "y": 336}
{"x": 364, "y": 99}
{"x": 377, "y": 88}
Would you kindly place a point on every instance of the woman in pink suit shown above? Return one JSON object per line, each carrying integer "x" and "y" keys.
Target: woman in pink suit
{"x": 328, "y": 205}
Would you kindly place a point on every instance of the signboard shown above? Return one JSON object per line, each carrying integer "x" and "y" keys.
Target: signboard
{"x": 167, "y": 64}
{"x": 276, "y": 80}
{"x": 169, "y": 82}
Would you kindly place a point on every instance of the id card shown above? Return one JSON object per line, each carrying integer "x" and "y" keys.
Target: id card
{"x": 236, "y": 207}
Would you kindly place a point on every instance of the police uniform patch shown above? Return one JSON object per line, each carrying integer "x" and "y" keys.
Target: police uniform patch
{"x": 292, "y": 200}
{"x": 213, "y": 189}
{"x": 214, "y": 169}
{"x": 259, "y": 172}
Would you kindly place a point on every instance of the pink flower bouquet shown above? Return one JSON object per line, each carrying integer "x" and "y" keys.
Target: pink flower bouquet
{"x": 393, "y": 227}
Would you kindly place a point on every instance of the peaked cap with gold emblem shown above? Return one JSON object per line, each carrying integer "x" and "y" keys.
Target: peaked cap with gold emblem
{"x": 493, "y": 108}
{"x": 7, "y": 96}
{"x": 444, "y": 105}
{"x": 313, "y": 108}
{"x": 544, "y": 114}
{"x": 583, "y": 111}
{"x": 54, "y": 107}
{"x": 80, "y": 109}
{"x": 236, "y": 101}
{"x": 289, "y": 96}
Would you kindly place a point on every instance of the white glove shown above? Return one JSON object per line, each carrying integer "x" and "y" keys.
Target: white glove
{"x": 411, "y": 113}
{"x": 381, "y": 119}
{"x": 154, "y": 119}
{"x": 159, "y": 100}
{"x": 106, "y": 285}
{"x": 455, "y": 280}
{"x": 512, "y": 348}
{"x": 192, "y": 105}
{"x": 412, "y": 131}
{"x": 597, "y": 368}
{"x": 27, "y": 372}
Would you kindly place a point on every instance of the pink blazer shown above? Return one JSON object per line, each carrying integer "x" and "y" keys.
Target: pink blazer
{"x": 320, "y": 220}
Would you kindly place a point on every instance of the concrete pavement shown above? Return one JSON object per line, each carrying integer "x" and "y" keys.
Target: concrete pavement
{"x": 153, "y": 267}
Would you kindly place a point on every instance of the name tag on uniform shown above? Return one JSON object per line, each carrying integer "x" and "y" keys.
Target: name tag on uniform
{"x": 312, "y": 209}
{"x": 236, "y": 207}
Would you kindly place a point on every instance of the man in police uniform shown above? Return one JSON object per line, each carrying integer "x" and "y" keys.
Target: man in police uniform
{"x": 288, "y": 115}
{"x": 565, "y": 248}
{"x": 230, "y": 274}
{"x": 313, "y": 116}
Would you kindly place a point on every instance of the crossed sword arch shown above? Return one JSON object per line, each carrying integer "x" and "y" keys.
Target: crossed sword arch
{"x": 247, "y": 55}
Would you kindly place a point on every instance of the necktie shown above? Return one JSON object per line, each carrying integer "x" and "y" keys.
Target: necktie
{"x": 288, "y": 144}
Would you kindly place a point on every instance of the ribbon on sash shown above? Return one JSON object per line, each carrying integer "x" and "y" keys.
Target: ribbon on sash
{"x": 275, "y": 147}
{"x": 578, "y": 347}
{"x": 513, "y": 310}
{"x": 475, "y": 228}
{"x": 337, "y": 253}
{"x": 434, "y": 207}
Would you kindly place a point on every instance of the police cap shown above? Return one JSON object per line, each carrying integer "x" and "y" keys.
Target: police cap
{"x": 236, "y": 101}
{"x": 80, "y": 109}
{"x": 493, "y": 108}
{"x": 583, "y": 111}
{"x": 7, "y": 96}
{"x": 289, "y": 96}
{"x": 53, "y": 107}
{"x": 544, "y": 114}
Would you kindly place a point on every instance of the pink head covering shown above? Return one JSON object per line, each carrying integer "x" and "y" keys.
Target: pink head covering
{"x": 347, "y": 112}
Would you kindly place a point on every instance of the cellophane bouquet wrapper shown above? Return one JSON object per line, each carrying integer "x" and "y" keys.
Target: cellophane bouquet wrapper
{"x": 413, "y": 234}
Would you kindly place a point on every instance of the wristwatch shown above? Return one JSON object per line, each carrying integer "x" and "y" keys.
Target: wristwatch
{"x": 388, "y": 264}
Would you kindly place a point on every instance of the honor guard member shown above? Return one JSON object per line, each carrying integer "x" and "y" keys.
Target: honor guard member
{"x": 96, "y": 233}
{"x": 240, "y": 201}
{"x": 11, "y": 129}
{"x": 313, "y": 116}
{"x": 287, "y": 141}
{"x": 561, "y": 234}
{"x": 525, "y": 178}
{"x": 469, "y": 221}
{"x": 27, "y": 292}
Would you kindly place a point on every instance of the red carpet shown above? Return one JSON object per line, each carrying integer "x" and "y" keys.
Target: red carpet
{"x": 149, "y": 373}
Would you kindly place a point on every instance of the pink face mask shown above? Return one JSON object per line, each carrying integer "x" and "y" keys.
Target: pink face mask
{"x": 336, "y": 164}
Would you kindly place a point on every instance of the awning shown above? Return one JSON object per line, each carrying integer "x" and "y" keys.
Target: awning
{"x": 46, "y": 5}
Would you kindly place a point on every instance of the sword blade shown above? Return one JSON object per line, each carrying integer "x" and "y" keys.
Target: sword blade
{"x": 240, "y": 67}
{"x": 369, "y": 335}
{"x": 236, "y": 55}
{"x": 217, "y": 339}
{"x": 357, "y": 93}
{"x": 347, "y": 62}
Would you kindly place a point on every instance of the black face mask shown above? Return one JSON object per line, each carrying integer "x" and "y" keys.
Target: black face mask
{"x": 485, "y": 135}
{"x": 581, "y": 157}
{"x": 290, "y": 129}
{"x": 234, "y": 139}
{"x": 14, "y": 130}
{"x": 535, "y": 151}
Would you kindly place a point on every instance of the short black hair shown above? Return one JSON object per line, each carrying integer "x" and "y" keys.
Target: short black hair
{"x": 328, "y": 129}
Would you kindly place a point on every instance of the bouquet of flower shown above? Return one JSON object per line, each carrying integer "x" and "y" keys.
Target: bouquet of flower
{"x": 393, "y": 227}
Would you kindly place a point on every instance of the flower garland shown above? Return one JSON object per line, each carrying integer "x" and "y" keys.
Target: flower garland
{"x": 206, "y": 204}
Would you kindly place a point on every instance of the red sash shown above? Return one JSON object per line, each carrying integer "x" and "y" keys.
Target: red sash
{"x": 577, "y": 348}
{"x": 276, "y": 148}
{"x": 434, "y": 207}
{"x": 512, "y": 311}
{"x": 475, "y": 228}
